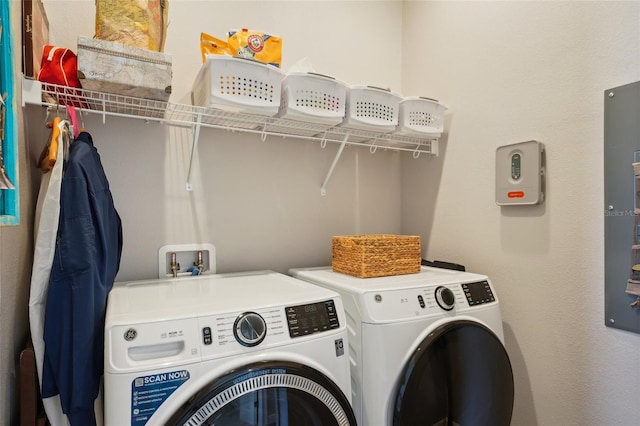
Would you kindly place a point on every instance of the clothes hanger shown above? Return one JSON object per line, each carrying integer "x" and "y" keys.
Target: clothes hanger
{"x": 49, "y": 154}
{"x": 67, "y": 139}
{"x": 65, "y": 130}
{"x": 71, "y": 112}
{"x": 82, "y": 128}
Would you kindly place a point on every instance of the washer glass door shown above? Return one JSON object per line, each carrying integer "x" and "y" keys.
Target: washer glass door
{"x": 460, "y": 374}
{"x": 268, "y": 394}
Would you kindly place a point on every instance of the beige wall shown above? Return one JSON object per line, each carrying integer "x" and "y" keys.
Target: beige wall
{"x": 258, "y": 202}
{"x": 510, "y": 71}
{"x": 515, "y": 71}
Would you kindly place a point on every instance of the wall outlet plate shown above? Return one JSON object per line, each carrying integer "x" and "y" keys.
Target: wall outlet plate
{"x": 520, "y": 174}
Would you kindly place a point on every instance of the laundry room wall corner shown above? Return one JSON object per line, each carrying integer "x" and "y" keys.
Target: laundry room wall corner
{"x": 512, "y": 72}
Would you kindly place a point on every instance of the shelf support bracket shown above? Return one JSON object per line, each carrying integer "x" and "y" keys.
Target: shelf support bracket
{"x": 194, "y": 147}
{"x": 323, "y": 188}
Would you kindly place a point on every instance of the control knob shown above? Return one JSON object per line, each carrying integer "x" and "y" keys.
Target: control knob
{"x": 445, "y": 298}
{"x": 250, "y": 329}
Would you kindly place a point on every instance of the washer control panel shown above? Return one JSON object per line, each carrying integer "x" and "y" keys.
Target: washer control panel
{"x": 229, "y": 331}
{"x": 311, "y": 318}
{"x": 238, "y": 332}
{"x": 478, "y": 293}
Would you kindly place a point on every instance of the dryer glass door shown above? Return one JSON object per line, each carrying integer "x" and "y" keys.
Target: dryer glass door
{"x": 459, "y": 375}
{"x": 268, "y": 394}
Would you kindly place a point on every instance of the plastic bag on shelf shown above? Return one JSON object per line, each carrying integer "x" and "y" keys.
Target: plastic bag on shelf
{"x": 256, "y": 45}
{"x": 209, "y": 45}
{"x": 135, "y": 23}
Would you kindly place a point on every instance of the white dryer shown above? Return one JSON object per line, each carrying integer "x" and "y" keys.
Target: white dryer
{"x": 260, "y": 349}
{"x": 425, "y": 348}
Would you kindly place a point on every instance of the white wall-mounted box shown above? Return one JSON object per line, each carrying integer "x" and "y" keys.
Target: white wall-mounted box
{"x": 520, "y": 173}
{"x": 186, "y": 257}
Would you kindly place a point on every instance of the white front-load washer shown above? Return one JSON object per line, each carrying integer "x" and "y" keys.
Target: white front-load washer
{"x": 425, "y": 348}
{"x": 260, "y": 349}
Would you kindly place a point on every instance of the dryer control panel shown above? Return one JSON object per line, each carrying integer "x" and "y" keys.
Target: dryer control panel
{"x": 478, "y": 293}
{"x": 433, "y": 300}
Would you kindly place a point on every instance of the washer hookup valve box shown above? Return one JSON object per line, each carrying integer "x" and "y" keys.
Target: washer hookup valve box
{"x": 520, "y": 173}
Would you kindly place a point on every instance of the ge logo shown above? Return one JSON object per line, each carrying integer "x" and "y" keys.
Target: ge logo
{"x": 130, "y": 334}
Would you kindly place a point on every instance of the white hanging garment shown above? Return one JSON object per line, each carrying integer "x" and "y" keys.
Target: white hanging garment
{"x": 46, "y": 229}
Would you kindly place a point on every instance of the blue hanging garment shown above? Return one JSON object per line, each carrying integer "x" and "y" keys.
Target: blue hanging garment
{"x": 85, "y": 264}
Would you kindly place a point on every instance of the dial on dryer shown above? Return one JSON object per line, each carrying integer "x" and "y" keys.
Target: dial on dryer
{"x": 445, "y": 298}
{"x": 250, "y": 329}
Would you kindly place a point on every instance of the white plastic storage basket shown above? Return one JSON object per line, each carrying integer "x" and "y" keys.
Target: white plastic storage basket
{"x": 421, "y": 117}
{"x": 238, "y": 85}
{"x": 313, "y": 98}
{"x": 371, "y": 108}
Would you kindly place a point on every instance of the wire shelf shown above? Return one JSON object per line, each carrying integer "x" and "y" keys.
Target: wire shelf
{"x": 195, "y": 117}
{"x": 187, "y": 115}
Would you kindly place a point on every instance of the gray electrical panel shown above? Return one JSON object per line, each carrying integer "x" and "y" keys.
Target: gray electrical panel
{"x": 621, "y": 206}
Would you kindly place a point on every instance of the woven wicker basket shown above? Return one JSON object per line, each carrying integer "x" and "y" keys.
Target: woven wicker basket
{"x": 379, "y": 255}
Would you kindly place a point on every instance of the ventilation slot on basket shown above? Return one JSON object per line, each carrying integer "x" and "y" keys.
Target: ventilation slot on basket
{"x": 375, "y": 110}
{"x": 418, "y": 118}
{"x": 240, "y": 86}
{"x": 317, "y": 100}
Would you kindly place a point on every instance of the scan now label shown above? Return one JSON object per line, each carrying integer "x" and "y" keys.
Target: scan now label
{"x": 148, "y": 393}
